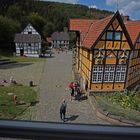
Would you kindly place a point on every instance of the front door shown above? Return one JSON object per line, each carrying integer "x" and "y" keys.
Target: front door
{"x": 21, "y": 52}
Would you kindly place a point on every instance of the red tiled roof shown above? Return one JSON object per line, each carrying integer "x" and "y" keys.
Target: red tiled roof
{"x": 95, "y": 30}
{"x": 81, "y": 25}
{"x": 133, "y": 28}
{"x": 89, "y": 29}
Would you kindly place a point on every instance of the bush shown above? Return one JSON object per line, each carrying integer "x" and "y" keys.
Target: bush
{"x": 130, "y": 101}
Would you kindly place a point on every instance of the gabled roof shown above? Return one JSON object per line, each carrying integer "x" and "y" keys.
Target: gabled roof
{"x": 94, "y": 30}
{"x": 133, "y": 28}
{"x": 60, "y": 36}
{"x": 27, "y": 38}
{"x": 89, "y": 29}
{"x": 81, "y": 25}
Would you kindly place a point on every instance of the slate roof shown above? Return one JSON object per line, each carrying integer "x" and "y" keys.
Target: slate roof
{"x": 27, "y": 38}
{"x": 61, "y": 36}
{"x": 133, "y": 28}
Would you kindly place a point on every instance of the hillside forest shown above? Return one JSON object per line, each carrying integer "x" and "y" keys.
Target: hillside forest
{"x": 46, "y": 17}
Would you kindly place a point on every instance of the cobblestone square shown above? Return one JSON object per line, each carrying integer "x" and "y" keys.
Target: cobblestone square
{"x": 51, "y": 78}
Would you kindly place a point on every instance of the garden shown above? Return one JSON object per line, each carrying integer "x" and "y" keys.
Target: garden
{"x": 124, "y": 106}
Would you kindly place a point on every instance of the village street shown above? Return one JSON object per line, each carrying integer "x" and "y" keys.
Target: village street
{"x": 51, "y": 78}
{"x": 56, "y": 75}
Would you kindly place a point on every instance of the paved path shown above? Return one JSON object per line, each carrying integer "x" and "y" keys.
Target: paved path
{"x": 52, "y": 78}
{"x": 56, "y": 75}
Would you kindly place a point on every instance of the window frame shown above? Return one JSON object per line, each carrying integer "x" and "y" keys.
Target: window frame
{"x": 120, "y": 73}
{"x": 108, "y": 37}
{"x": 109, "y": 73}
{"x": 51, "y": 131}
{"x": 113, "y": 35}
{"x": 97, "y": 73}
{"x": 117, "y": 33}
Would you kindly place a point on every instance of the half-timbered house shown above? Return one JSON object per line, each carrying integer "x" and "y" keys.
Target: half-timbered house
{"x": 107, "y": 57}
{"x": 28, "y": 42}
{"x": 60, "y": 40}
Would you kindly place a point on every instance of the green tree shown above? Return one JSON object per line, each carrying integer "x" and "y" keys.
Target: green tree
{"x": 15, "y": 12}
{"x": 48, "y": 29}
{"x": 37, "y": 21}
{"x": 8, "y": 28}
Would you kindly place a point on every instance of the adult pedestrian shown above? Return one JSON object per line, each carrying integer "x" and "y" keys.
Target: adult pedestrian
{"x": 63, "y": 110}
{"x": 77, "y": 90}
{"x": 72, "y": 87}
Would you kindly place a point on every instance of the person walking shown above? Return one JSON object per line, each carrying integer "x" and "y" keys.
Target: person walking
{"x": 63, "y": 110}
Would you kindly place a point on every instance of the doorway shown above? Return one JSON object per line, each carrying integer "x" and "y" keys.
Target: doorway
{"x": 21, "y": 52}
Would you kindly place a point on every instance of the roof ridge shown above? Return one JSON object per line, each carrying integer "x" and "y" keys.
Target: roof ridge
{"x": 104, "y": 18}
{"x": 93, "y": 23}
{"x": 87, "y": 32}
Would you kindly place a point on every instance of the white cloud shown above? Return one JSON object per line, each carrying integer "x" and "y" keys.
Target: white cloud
{"x": 93, "y": 6}
{"x": 126, "y": 7}
{"x": 64, "y": 1}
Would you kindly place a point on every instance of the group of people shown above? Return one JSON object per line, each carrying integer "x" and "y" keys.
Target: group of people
{"x": 75, "y": 91}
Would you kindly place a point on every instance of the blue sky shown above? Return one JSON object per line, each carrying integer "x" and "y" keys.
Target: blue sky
{"x": 126, "y": 7}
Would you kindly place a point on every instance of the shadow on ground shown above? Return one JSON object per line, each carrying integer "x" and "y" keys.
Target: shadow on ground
{"x": 71, "y": 118}
{"x": 14, "y": 65}
{"x": 48, "y": 57}
{"x": 34, "y": 103}
{"x": 80, "y": 98}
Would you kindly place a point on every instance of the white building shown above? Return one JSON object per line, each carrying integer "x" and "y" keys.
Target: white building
{"x": 60, "y": 40}
{"x": 28, "y": 42}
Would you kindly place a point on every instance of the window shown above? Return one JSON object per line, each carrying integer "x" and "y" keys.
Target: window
{"x": 109, "y": 35}
{"x": 113, "y": 35}
{"x": 97, "y": 74}
{"x": 120, "y": 73}
{"x": 109, "y": 74}
{"x": 117, "y": 35}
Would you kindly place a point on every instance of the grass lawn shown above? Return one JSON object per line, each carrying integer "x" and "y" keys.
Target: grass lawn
{"x": 27, "y": 59}
{"x": 23, "y": 59}
{"x": 25, "y": 95}
{"x": 114, "y": 108}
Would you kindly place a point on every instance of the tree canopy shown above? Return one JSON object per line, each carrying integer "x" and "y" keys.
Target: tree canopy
{"x": 46, "y": 17}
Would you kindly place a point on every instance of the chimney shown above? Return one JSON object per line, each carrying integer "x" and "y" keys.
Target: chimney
{"x": 125, "y": 18}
